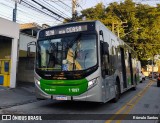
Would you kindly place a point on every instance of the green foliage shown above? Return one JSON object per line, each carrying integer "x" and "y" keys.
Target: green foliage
{"x": 143, "y": 24}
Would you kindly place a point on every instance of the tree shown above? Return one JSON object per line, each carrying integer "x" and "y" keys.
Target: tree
{"x": 143, "y": 26}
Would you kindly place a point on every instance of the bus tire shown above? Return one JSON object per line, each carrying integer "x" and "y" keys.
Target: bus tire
{"x": 117, "y": 95}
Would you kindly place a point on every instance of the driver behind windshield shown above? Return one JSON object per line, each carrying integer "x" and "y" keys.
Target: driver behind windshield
{"x": 71, "y": 63}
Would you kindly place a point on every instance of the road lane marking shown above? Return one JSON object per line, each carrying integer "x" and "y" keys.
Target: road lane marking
{"x": 134, "y": 103}
{"x": 130, "y": 105}
{"x": 121, "y": 109}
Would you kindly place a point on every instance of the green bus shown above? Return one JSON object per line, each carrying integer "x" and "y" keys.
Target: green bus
{"x": 83, "y": 61}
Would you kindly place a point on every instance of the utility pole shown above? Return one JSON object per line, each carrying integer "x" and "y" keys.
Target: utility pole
{"x": 15, "y": 10}
{"x": 74, "y": 11}
{"x": 117, "y": 26}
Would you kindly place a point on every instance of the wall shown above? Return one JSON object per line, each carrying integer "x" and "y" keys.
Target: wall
{"x": 25, "y": 70}
{"x": 23, "y": 41}
{"x": 11, "y": 29}
{"x": 26, "y": 65}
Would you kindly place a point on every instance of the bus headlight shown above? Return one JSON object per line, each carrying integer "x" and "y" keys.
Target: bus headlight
{"x": 92, "y": 83}
{"x": 37, "y": 82}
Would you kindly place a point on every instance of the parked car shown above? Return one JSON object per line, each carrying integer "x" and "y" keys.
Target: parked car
{"x": 155, "y": 75}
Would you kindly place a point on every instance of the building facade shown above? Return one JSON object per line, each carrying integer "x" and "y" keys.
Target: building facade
{"x": 9, "y": 37}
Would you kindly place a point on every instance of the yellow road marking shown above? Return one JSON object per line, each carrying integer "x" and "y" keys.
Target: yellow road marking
{"x": 129, "y": 105}
{"x": 134, "y": 103}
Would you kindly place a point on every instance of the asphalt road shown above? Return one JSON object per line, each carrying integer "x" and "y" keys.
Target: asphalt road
{"x": 145, "y": 100}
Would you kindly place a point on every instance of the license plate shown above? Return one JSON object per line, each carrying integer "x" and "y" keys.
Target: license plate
{"x": 61, "y": 98}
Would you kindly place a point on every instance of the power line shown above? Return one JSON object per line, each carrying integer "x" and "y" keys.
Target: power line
{"x": 49, "y": 10}
{"x": 34, "y": 8}
{"x": 41, "y": 12}
{"x": 9, "y": 18}
{"x": 27, "y": 14}
{"x": 6, "y": 16}
{"x": 80, "y": 6}
{"x": 56, "y": 8}
{"x": 28, "y": 5}
{"x": 77, "y": 5}
{"x": 64, "y": 3}
{"x": 68, "y": 10}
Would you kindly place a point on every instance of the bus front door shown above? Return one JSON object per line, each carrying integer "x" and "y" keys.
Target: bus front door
{"x": 123, "y": 68}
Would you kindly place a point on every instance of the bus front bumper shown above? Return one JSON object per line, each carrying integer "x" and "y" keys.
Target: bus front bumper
{"x": 94, "y": 95}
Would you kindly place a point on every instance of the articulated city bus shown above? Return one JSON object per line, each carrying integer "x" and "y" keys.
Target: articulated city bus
{"x": 83, "y": 61}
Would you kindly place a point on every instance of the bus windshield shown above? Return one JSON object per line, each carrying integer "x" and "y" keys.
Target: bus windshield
{"x": 71, "y": 53}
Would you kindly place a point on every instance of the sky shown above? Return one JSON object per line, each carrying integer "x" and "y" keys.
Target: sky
{"x": 27, "y": 15}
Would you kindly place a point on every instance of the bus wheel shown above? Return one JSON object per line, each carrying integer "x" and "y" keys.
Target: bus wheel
{"x": 117, "y": 91}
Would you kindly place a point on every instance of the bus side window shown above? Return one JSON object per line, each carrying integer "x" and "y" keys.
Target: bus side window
{"x": 105, "y": 57}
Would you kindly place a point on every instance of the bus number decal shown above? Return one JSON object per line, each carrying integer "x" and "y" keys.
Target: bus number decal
{"x": 50, "y": 32}
{"x": 73, "y": 29}
{"x": 74, "y": 90}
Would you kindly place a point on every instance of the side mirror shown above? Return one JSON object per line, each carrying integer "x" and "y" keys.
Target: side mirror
{"x": 101, "y": 35}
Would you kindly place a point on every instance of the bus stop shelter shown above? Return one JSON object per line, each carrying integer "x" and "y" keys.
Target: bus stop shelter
{"x": 9, "y": 36}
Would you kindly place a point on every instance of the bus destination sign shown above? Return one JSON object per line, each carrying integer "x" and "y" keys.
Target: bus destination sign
{"x": 64, "y": 30}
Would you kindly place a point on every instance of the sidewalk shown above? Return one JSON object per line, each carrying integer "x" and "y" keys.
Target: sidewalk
{"x": 24, "y": 93}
